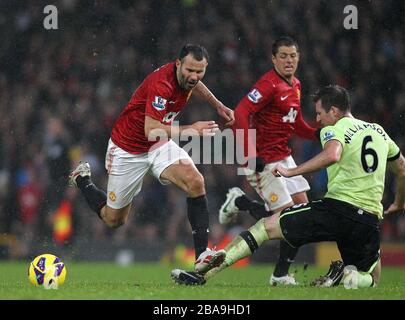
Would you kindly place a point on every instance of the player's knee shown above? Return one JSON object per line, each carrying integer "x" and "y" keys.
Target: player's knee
{"x": 273, "y": 227}
{"x": 114, "y": 220}
{"x": 195, "y": 184}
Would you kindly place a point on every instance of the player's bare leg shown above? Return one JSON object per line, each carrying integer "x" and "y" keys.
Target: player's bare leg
{"x": 115, "y": 217}
{"x": 300, "y": 197}
{"x": 186, "y": 176}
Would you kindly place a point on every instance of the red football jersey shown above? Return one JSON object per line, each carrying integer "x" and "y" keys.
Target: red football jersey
{"x": 159, "y": 97}
{"x": 273, "y": 108}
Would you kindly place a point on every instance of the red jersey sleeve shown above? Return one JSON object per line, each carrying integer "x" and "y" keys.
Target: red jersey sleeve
{"x": 258, "y": 97}
{"x": 303, "y": 129}
{"x": 159, "y": 94}
{"x": 242, "y": 119}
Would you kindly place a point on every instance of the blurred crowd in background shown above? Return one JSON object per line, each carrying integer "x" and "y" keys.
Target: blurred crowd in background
{"x": 61, "y": 91}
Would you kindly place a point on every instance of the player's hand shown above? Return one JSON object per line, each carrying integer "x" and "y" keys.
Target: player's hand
{"x": 227, "y": 114}
{"x": 394, "y": 208}
{"x": 280, "y": 171}
{"x": 205, "y": 128}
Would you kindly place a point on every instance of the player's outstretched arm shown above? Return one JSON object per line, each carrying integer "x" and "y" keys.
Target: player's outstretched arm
{"x": 155, "y": 130}
{"x": 329, "y": 155}
{"x": 398, "y": 168}
{"x": 204, "y": 93}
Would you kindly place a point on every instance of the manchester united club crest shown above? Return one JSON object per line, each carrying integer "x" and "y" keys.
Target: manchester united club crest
{"x": 112, "y": 196}
{"x": 273, "y": 197}
{"x": 299, "y": 94}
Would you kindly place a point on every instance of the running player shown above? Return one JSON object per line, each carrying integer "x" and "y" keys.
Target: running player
{"x": 140, "y": 143}
{"x": 274, "y": 107}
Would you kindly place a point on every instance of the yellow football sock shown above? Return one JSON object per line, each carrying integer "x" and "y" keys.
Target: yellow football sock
{"x": 239, "y": 248}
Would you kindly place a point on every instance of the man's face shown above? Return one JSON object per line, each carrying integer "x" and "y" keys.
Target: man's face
{"x": 325, "y": 118}
{"x": 190, "y": 71}
{"x": 286, "y": 61}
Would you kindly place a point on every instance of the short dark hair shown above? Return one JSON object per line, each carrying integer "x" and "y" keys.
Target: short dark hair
{"x": 333, "y": 95}
{"x": 197, "y": 51}
{"x": 283, "y": 41}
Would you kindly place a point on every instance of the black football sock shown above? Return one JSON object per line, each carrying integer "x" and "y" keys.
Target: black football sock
{"x": 95, "y": 198}
{"x": 286, "y": 257}
{"x": 256, "y": 209}
{"x": 197, "y": 211}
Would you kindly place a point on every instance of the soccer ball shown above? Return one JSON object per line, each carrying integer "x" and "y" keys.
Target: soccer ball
{"x": 48, "y": 271}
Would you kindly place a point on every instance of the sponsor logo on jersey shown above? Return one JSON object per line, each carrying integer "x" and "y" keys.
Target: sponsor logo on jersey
{"x": 159, "y": 103}
{"x": 112, "y": 196}
{"x": 169, "y": 117}
{"x": 254, "y": 96}
{"x": 328, "y": 135}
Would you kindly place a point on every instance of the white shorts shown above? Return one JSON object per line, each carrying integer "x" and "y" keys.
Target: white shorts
{"x": 276, "y": 191}
{"x": 126, "y": 170}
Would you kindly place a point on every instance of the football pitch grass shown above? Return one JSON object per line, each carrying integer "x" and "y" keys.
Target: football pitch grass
{"x": 151, "y": 281}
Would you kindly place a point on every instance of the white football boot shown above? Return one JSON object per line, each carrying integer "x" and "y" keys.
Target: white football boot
{"x": 287, "y": 280}
{"x": 229, "y": 210}
{"x": 83, "y": 170}
{"x": 209, "y": 259}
